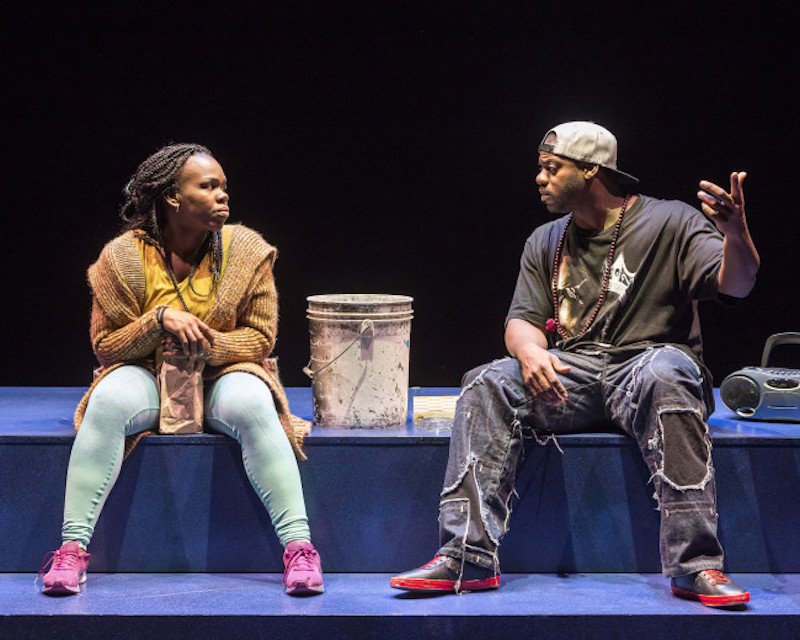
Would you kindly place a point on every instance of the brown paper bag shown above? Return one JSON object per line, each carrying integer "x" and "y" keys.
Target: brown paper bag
{"x": 180, "y": 385}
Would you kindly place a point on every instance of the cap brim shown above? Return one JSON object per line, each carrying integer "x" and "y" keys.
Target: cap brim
{"x": 622, "y": 178}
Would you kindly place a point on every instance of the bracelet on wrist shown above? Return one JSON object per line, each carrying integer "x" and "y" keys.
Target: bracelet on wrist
{"x": 160, "y": 315}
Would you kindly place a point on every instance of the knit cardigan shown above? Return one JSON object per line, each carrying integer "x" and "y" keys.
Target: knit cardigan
{"x": 243, "y": 319}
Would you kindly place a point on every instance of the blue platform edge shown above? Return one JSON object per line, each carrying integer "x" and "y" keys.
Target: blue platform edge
{"x": 184, "y": 504}
{"x": 587, "y": 606}
{"x": 33, "y": 412}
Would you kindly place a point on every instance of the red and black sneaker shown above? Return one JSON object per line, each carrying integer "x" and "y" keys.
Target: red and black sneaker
{"x": 711, "y": 588}
{"x": 446, "y": 575}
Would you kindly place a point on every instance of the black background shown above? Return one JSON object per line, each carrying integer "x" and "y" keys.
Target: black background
{"x": 384, "y": 147}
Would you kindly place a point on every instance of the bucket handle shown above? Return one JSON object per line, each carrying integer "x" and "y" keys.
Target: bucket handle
{"x": 366, "y": 325}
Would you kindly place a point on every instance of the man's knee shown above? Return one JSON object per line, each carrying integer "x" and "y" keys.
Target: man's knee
{"x": 672, "y": 366}
{"x": 502, "y": 370}
{"x": 469, "y": 377}
{"x": 667, "y": 377}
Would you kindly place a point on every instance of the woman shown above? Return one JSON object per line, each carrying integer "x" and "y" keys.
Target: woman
{"x": 179, "y": 279}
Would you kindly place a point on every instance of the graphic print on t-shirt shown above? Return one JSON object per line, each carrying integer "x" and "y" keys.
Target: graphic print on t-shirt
{"x": 621, "y": 278}
{"x": 574, "y": 293}
{"x": 579, "y": 286}
{"x": 667, "y": 257}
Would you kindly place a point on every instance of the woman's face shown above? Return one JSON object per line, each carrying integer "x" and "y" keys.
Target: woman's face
{"x": 201, "y": 196}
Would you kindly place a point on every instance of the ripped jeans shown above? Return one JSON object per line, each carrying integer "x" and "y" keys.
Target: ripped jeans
{"x": 659, "y": 397}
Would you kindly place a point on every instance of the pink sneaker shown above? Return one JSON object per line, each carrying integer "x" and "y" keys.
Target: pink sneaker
{"x": 303, "y": 574}
{"x": 67, "y": 570}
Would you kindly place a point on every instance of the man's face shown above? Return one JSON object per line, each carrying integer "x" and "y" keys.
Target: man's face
{"x": 561, "y": 183}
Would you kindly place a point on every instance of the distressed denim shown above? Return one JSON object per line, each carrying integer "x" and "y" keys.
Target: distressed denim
{"x": 659, "y": 397}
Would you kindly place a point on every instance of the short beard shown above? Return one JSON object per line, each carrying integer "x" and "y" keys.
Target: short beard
{"x": 570, "y": 195}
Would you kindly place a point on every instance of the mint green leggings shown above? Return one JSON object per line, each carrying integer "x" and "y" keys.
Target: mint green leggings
{"x": 238, "y": 404}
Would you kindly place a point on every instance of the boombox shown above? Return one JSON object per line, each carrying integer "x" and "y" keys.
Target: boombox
{"x": 765, "y": 393}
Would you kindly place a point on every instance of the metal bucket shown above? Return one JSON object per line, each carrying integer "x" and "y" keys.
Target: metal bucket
{"x": 360, "y": 346}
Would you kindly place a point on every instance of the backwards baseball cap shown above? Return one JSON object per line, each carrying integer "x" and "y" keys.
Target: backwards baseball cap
{"x": 587, "y": 142}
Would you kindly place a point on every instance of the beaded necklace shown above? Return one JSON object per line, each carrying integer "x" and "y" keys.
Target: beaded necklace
{"x": 606, "y": 275}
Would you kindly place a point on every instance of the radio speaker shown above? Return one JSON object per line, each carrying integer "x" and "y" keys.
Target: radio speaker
{"x": 740, "y": 393}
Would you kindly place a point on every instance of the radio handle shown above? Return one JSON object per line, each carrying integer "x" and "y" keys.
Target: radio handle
{"x": 789, "y": 337}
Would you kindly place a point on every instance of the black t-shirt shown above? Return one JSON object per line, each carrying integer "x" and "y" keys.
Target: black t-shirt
{"x": 667, "y": 257}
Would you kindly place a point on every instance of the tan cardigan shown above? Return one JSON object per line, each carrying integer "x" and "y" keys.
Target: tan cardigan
{"x": 244, "y": 317}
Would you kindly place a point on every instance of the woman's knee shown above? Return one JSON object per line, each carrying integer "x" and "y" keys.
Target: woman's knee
{"x": 238, "y": 398}
{"x": 121, "y": 396}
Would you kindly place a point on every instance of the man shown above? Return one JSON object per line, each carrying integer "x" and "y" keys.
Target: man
{"x": 613, "y": 287}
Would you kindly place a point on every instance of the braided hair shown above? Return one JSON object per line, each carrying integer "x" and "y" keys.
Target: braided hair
{"x": 144, "y": 208}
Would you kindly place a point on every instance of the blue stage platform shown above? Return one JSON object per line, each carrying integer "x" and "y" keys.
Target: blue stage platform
{"x": 183, "y": 503}
{"x": 184, "y": 540}
{"x": 541, "y": 606}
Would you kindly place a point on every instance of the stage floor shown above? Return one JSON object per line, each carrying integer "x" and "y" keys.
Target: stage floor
{"x": 369, "y": 594}
{"x": 544, "y": 606}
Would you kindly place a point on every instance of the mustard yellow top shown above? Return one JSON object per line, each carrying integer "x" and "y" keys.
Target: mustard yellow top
{"x": 244, "y": 317}
{"x": 159, "y": 289}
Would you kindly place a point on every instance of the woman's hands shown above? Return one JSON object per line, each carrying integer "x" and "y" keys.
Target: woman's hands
{"x": 187, "y": 333}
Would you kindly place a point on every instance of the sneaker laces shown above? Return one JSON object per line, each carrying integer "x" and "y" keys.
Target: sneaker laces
{"x": 303, "y": 559}
{"x": 432, "y": 562}
{"x": 57, "y": 560}
{"x": 48, "y": 560}
{"x": 715, "y": 575}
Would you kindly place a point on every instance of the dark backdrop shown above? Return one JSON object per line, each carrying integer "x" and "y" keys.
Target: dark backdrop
{"x": 385, "y": 147}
